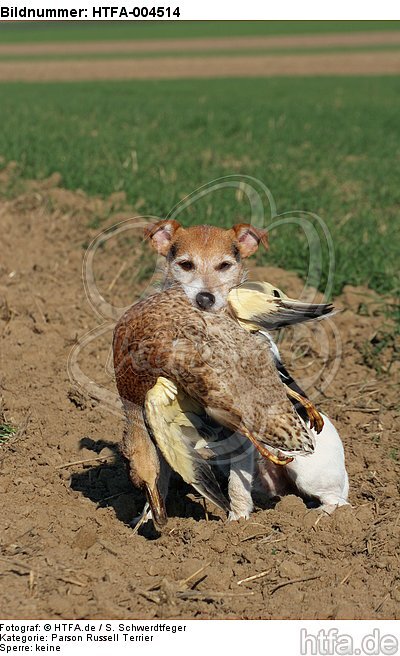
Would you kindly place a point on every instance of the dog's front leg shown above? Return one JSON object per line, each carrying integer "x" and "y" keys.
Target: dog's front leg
{"x": 240, "y": 483}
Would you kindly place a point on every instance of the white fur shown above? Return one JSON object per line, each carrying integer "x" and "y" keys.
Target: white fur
{"x": 240, "y": 485}
{"x": 321, "y": 475}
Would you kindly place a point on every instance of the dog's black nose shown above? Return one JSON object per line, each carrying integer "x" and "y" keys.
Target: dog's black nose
{"x": 205, "y": 300}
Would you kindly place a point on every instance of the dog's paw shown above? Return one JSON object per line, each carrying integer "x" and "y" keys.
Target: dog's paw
{"x": 234, "y": 516}
{"x": 329, "y": 507}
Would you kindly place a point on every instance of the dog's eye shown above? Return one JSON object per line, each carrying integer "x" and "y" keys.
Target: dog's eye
{"x": 224, "y": 266}
{"x": 186, "y": 265}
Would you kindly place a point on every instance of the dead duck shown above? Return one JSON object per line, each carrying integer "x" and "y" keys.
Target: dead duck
{"x": 179, "y": 426}
{"x": 227, "y": 371}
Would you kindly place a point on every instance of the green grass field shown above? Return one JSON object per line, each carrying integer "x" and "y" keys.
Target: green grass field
{"x": 42, "y": 31}
{"x": 325, "y": 145}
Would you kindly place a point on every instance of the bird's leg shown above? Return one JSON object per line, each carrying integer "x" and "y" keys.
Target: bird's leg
{"x": 278, "y": 459}
{"x": 143, "y": 462}
{"x": 240, "y": 483}
{"x": 314, "y": 416}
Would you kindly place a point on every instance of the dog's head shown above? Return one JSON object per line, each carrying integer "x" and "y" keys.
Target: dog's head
{"x": 205, "y": 260}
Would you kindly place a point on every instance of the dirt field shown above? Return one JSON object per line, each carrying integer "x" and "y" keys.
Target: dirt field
{"x": 381, "y": 63}
{"x": 66, "y": 548}
{"x": 207, "y": 64}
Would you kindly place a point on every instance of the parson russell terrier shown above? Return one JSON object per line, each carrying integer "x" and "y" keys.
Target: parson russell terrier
{"x": 208, "y": 262}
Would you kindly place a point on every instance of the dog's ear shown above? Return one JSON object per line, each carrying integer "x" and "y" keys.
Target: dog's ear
{"x": 249, "y": 237}
{"x": 161, "y": 234}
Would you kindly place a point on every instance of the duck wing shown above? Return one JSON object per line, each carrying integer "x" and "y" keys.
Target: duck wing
{"x": 260, "y": 305}
{"x": 181, "y": 431}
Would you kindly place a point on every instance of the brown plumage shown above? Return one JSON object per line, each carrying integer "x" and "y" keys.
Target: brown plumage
{"x": 227, "y": 370}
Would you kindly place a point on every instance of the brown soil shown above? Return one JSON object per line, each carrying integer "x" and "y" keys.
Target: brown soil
{"x": 224, "y": 43}
{"x": 66, "y": 549}
{"x": 157, "y": 68}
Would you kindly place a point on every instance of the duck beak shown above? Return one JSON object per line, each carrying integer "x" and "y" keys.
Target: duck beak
{"x": 157, "y": 506}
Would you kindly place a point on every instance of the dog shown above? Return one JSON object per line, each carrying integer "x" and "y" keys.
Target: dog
{"x": 207, "y": 262}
